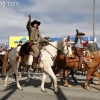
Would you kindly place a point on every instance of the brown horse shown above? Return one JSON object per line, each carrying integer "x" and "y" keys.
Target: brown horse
{"x": 92, "y": 66}
{"x": 6, "y": 64}
{"x": 92, "y": 61}
{"x": 61, "y": 61}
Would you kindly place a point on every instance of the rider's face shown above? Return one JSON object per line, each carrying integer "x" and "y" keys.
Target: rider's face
{"x": 80, "y": 36}
{"x": 35, "y": 26}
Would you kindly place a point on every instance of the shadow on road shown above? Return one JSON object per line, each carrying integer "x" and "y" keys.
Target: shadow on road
{"x": 30, "y": 82}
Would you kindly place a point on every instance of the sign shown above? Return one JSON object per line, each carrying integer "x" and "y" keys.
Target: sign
{"x": 14, "y": 40}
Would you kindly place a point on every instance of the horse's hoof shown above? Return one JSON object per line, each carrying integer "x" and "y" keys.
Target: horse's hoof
{"x": 87, "y": 88}
{"x": 99, "y": 87}
{"x": 5, "y": 87}
{"x": 20, "y": 89}
{"x": 67, "y": 85}
{"x": 44, "y": 91}
{"x": 56, "y": 92}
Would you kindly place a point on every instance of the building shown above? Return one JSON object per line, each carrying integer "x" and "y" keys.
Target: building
{"x": 89, "y": 46}
{"x": 14, "y": 40}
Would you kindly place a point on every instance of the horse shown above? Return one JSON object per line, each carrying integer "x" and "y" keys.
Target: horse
{"x": 60, "y": 63}
{"x": 49, "y": 51}
{"x": 92, "y": 60}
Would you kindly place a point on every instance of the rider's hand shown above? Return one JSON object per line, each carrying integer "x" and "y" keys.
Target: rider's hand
{"x": 46, "y": 40}
{"x": 29, "y": 17}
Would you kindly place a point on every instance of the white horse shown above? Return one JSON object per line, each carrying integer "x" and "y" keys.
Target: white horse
{"x": 48, "y": 51}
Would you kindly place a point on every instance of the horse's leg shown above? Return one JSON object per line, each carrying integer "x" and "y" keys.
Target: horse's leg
{"x": 64, "y": 77}
{"x": 88, "y": 77}
{"x": 43, "y": 81}
{"x": 20, "y": 74}
{"x": 17, "y": 82}
{"x": 55, "y": 72}
{"x": 61, "y": 75}
{"x": 28, "y": 72}
{"x": 98, "y": 75}
{"x": 6, "y": 78}
{"x": 91, "y": 80}
{"x": 22, "y": 71}
{"x": 51, "y": 73}
{"x": 72, "y": 74}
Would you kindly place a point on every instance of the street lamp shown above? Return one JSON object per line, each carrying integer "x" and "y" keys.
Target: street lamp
{"x": 93, "y": 25}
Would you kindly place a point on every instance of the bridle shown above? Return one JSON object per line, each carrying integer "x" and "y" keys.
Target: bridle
{"x": 88, "y": 58}
{"x": 68, "y": 44}
{"x": 61, "y": 51}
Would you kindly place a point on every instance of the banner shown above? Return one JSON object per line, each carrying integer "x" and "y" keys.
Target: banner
{"x": 14, "y": 40}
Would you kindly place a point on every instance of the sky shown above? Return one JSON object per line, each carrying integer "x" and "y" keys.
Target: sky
{"x": 59, "y": 18}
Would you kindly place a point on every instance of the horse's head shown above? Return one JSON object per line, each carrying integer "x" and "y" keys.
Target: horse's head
{"x": 88, "y": 56}
{"x": 68, "y": 47}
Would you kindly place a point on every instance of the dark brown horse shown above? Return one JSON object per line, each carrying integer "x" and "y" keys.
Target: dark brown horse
{"x": 61, "y": 61}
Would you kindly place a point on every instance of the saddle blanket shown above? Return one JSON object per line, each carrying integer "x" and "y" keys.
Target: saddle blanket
{"x": 42, "y": 57}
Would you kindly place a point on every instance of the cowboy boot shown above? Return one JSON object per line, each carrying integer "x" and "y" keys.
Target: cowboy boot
{"x": 34, "y": 62}
{"x": 80, "y": 63}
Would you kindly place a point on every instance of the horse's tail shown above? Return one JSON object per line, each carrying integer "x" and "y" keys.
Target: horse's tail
{"x": 5, "y": 63}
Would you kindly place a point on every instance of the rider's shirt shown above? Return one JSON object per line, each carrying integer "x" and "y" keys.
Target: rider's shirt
{"x": 79, "y": 43}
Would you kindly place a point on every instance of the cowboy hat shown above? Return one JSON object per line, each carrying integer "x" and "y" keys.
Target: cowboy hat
{"x": 79, "y": 33}
{"x": 35, "y": 22}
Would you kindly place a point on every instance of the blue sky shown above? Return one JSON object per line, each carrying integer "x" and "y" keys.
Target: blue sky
{"x": 59, "y": 18}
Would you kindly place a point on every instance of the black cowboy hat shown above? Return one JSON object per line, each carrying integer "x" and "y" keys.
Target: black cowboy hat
{"x": 35, "y": 22}
{"x": 79, "y": 33}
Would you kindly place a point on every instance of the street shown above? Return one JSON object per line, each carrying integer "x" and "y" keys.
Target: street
{"x": 32, "y": 91}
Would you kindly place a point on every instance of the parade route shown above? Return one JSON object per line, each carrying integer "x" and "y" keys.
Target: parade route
{"x": 32, "y": 91}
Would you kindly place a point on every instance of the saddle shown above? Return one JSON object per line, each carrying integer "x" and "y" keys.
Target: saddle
{"x": 26, "y": 50}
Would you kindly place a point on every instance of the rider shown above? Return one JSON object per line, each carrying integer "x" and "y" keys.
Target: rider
{"x": 79, "y": 44}
{"x": 34, "y": 37}
{"x": 20, "y": 43}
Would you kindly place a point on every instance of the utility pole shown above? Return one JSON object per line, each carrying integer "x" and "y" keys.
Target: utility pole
{"x": 93, "y": 25}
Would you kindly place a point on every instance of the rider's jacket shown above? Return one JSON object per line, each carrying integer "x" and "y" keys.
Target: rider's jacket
{"x": 79, "y": 43}
{"x": 33, "y": 35}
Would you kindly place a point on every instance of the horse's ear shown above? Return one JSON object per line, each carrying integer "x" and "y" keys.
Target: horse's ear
{"x": 66, "y": 40}
{"x": 68, "y": 37}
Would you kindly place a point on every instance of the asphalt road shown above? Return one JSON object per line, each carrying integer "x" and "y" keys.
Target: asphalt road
{"x": 32, "y": 91}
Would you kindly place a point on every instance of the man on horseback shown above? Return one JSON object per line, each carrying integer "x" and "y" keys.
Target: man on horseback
{"x": 34, "y": 37}
{"x": 20, "y": 43}
{"x": 79, "y": 47}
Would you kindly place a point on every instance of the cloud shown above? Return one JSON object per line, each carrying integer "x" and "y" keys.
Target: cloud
{"x": 59, "y": 18}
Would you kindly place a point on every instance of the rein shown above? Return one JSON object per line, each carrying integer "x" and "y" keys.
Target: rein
{"x": 49, "y": 53}
{"x": 57, "y": 48}
{"x": 54, "y": 47}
